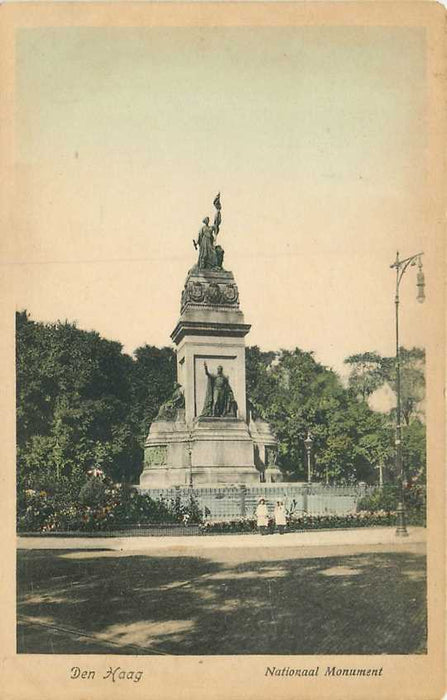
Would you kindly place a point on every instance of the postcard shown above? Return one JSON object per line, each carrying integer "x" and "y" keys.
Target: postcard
{"x": 223, "y": 348}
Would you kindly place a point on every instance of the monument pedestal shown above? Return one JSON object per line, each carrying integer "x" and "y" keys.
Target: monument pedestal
{"x": 211, "y": 441}
{"x": 214, "y": 451}
{"x": 222, "y": 442}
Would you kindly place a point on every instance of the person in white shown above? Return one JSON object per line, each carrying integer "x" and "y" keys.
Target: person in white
{"x": 280, "y": 517}
{"x": 262, "y": 516}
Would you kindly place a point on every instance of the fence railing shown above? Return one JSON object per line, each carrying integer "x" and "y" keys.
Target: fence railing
{"x": 232, "y": 502}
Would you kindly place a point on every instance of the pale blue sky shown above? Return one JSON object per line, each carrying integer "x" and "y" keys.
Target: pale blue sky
{"x": 316, "y": 138}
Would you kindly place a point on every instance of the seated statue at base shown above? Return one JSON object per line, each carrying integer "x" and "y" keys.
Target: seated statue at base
{"x": 168, "y": 409}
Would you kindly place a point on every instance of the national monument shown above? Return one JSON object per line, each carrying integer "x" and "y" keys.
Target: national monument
{"x": 207, "y": 433}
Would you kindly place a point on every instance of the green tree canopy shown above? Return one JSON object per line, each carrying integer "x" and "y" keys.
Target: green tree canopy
{"x": 295, "y": 394}
{"x": 154, "y": 372}
{"x": 73, "y": 402}
{"x": 82, "y": 403}
{"x": 369, "y": 371}
{"x": 366, "y": 374}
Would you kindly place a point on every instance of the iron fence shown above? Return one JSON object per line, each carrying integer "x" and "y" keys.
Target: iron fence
{"x": 226, "y": 503}
{"x": 233, "y": 502}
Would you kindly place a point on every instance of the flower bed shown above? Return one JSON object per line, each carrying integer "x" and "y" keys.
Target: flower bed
{"x": 100, "y": 507}
{"x": 104, "y": 507}
{"x": 387, "y": 498}
{"x": 305, "y": 522}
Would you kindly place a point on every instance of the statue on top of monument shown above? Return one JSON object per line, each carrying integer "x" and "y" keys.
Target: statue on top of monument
{"x": 219, "y": 398}
{"x": 210, "y": 254}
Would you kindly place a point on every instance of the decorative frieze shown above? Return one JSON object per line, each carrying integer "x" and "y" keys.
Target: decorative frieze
{"x": 210, "y": 290}
{"x": 156, "y": 455}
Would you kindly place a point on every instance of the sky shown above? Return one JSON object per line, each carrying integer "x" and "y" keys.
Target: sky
{"x": 316, "y": 138}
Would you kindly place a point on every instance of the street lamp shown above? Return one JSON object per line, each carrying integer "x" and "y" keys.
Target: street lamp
{"x": 190, "y": 459}
{"x": 379, "y": 467}
{"x": 401, "y": 267}
{"x": 308, "y": 443}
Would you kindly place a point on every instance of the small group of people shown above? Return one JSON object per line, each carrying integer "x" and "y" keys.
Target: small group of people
{"x": 262, "y": 516}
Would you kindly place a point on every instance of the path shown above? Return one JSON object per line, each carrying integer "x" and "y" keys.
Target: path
{"x": 225, "y": 595}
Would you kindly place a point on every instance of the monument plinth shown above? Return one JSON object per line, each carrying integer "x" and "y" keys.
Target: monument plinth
{"x": 203, "y": 433}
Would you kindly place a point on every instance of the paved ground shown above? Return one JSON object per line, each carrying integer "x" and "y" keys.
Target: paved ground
{"x": 312, "y": 593}
{"x": 356, "y": 536}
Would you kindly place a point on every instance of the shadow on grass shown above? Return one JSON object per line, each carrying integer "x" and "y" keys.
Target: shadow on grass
{"x": 122, "y": 603}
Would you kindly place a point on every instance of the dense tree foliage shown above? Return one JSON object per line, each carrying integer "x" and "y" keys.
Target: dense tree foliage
{"x": 154, "y": 372}
{"x": 369, "y": 371}
{"x": 83, "y": 403}
{"x": 366, "y": 374}
{"x": 296, "y": 394}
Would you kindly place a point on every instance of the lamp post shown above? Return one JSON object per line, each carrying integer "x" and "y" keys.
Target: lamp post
{"x": 190, "y": 459}
{"x": 401, "y": 266}
{"x": 308, "y": 442}
{"x": 379, "y": 467}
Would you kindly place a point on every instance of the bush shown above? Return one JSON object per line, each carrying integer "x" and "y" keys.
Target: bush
{"x": 387, "y": 498}
{"x": 229, "y": 526}
{"x": 34, "y": 509}
{"x": 99, "y": 506}
{"x": 304, "y": 522}
{"x": 93, "y": 493}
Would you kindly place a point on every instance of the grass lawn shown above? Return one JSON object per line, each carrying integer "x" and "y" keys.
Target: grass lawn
{"x": 303, "y": 600}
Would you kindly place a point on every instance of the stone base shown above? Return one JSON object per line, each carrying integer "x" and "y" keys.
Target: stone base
{"x": 273, "y": 475}
{"x": 218, "y": 451}
{"x": 222, "y": 442}
{"x": 168, "y": 477}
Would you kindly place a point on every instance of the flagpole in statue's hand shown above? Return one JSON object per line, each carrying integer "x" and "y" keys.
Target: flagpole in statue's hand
{"x": 218, "y": 216}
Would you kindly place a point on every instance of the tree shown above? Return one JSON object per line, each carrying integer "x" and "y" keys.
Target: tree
{"x": 412, "y": 380}
{"x": 369, "y": 371}
{"x": 154, "y": 372}
{"x": 366, "y": 375}
{"x": 414, "y": 451}
{"x": 83, "y": 403}
{"x": 260, "y": 385}
{"x": 295, "y": 393}
{"x": 73, "y": 403}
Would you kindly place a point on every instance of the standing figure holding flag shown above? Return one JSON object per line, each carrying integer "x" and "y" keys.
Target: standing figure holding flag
{"x": 210, "y": 255}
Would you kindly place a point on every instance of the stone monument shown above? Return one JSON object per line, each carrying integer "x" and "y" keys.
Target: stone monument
{"x": 204, "y": 435}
